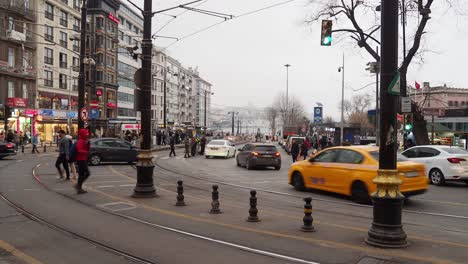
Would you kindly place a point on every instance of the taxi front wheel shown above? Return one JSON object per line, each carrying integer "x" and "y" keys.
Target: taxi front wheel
{"x": 298, "y": 181}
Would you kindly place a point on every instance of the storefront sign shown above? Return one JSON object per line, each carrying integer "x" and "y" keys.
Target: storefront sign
{"x": 60, "y": 114}
{"x": 47, "y": 112}
{"x": 94, "y": 113}
{"x": 111, "y": 105}
{"x": 17, "y": 102}
{"x": 72, "y": 114}
{"x": 131, "y": 126}
{"x": 113, "y": 18}
{"x": 30, "y": 112}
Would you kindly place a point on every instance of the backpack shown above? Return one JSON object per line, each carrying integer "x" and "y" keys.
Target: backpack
{"x": 73, "y": 152}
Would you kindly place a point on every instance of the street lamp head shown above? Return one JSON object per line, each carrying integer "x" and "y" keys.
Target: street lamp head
{"x": 339, "y": 69}
{"x": 287, "y": 65}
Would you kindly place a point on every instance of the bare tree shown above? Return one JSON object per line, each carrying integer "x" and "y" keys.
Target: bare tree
{"x": 328, "y": 120}
{"x": 291, "y": 112}
{"x": 360, "y": 21}
{"x": 271, "y": 114}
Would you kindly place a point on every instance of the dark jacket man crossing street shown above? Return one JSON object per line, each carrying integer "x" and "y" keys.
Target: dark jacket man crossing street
{"x": 64, "y": 155}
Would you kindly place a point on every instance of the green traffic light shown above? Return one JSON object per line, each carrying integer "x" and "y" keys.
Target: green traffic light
{"x": 327, "y": 40}
{"x": 408, "y": 127}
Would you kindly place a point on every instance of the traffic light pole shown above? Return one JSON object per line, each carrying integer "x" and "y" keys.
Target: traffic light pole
{"x": 145, "y": 187}
{"x": 81, "y": 76}
{"x": 387, "y": 229}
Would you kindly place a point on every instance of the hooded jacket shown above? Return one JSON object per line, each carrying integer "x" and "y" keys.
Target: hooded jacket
{"x": 82, "y": 146}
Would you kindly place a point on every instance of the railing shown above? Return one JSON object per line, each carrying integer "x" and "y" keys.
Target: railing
{"x": 26, "y": 72}
{"x": 76, "y": 48}
{"x": 63, "y": 64}
{"x": 64, "y": 43}
{"x": 49, "y": 37}
{"x": 48, "y": 83}
{"x": 63, "y": 22}
{"x": 49, "y": 15}
{"x": 48, "y": 60}
{"x": 18, "y": 7}
{"x": 76, "y": 28}
{"x": 63, "y": 86}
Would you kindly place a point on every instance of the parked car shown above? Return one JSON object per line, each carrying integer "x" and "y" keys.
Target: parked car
{"x": 7, "y": 149}
{"x": 258, "y": 155}
{"x": 111, "y": 150}
{"x": 220, "y": 148}
{"x": 443, "y": 163}
{"x": 350, "y": 171}
{"x": 289, "y": 142}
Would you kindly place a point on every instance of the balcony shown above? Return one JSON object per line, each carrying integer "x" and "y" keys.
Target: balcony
{"x": 18, "y": 8}
{"x": 16, "y": 36}
{"x": 63, "y": 86}
{"x": 28, "y": 72}
{"x": 63, "y": 64}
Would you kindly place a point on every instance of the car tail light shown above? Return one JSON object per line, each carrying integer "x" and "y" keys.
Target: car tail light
{"x": 255, "y": 153}
{"x": 9, "y": 145}
{"x": 277, "y": 154}
{"x": 455, "y": 160}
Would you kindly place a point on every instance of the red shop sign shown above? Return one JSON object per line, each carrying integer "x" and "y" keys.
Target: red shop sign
{"x": 111, "y": 105}
{"x": 30, "y": 112}
{"x": 17, "y": 102}
{"x": 113, "y": 18}
{"x": 131, "y": 126}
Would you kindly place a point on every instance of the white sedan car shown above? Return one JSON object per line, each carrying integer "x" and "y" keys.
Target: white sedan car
{"x": 220, "y": 148}
{"x": 443, "y": 163}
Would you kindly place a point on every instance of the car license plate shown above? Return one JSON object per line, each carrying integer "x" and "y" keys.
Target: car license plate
{"x": 267, "y": 156}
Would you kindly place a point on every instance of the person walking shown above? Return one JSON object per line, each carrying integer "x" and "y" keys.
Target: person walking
{"x": 294, "y": 150}
{"x": 187, "y": 147}
{"x": 17, "y": 140}
{"x": 35, "y": 142}
{"x": 64, "y": 155}
{"x": 202, "y": 145}
{"x": 304, "y": 149}
{"x": 82, "y": 152}
{"x": 10, "y": 137}
{"x": 172, "y": 145}
{"x": 194, "y": 146}
{"x": 72, "y": 157}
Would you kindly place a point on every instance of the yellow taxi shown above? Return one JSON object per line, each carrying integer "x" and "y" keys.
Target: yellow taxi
{"x": 350, "y": 171}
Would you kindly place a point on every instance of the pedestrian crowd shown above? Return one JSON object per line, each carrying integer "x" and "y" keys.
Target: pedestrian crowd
{"x": 300, "y": 149}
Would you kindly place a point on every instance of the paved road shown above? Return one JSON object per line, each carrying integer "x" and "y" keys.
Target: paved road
{"x": 143, "y": 226}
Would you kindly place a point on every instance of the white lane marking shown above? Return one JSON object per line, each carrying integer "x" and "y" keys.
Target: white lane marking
{"x": 28, "y": 190}
{"x": 105, "y": 186}
{"x": 19, "y": 160}
{"x": 238, "y": 246}
{"x": 127, "y": 185}
{"x": 166, "y": 184}
{"x": 100, "y": 182}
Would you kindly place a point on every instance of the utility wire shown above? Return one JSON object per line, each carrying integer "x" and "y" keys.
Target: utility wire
{"x": 217, "y": 23}
{"x": 176, "y": 16}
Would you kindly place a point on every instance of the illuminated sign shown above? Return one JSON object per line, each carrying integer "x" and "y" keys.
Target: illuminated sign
{"x": 113, "y": 18}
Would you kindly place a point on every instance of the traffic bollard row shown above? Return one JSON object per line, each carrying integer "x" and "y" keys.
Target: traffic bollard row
{"x": 45, "y": 147}
{"x": 253, "y": 211}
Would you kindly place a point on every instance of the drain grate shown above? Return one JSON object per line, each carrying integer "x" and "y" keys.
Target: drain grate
{"x": 117, "y": 206}
{"x": 374, "y": 260}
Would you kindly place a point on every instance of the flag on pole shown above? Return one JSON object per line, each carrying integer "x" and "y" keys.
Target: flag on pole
{"x": 417, "y": 85}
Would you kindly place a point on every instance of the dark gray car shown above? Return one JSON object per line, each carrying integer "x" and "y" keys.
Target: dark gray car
{"x": 111, "y": 150}
{"x": 259, "y": 155}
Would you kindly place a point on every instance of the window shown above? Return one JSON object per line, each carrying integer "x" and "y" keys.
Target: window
{"x": 326, "y": 156}
{"x": 349, "y": 156}
{"x": 76, "y": 64}
{"x": 63, "y": 39}
{"x": 11, "y": 89}
{"x": 99, "y": 41}
{"x": 455, "y": 103}
{"x": 76, "y": 24}
{"x": 76, "y": 45}
{"x": 411, "y": 153}
{"x": 77, "y": 4}
{"x": 65, "y": 2}
{"x": 450, "y": 103}
{"x": 99, "y": 22}
{"x": 64, "y": 18}
{"x": 99, "y": 76}
{"x": 48, "y": 56}
{"x": 62, "y": 81}
{"x": 49, "y": 11}
{"x": 75, "y": 85}
{"x": 27, "y": 56}
{"x": 49, "y": 33}
{"x": 11, "y": 23}
{"x": 25, "y": 91}
{"x": 11, "y": 57}
{"x": 63, "y": 58}
{"x": 48, "y": 78}
{"x": 105, "y": 143}
{"x": 427, "y": 152}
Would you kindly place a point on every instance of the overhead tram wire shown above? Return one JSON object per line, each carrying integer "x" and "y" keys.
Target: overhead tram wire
{"x": 176, "y": 16}
{"x": 220, "y": 22}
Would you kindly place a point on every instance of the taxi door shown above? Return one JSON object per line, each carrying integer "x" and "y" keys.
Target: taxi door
{"x": 348, "y": 166}
{"x": 319, "y": 170}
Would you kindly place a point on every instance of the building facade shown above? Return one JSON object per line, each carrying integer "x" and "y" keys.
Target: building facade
{"x": 130, "y": 36}
{"x": 202, "y": 99}
{"x": 18, "y": 69}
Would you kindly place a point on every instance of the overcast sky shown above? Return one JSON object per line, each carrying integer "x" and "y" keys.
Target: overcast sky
{"x": 244, "y": 57}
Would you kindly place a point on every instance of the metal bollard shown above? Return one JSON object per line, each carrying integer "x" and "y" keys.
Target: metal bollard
{"x": 253, "y": 211}
{"x": 308, "y": 220}
{"x": 45, "y": 147}
{"x": 50, "y": 144}
{"x": 180, "y": 194}
{"x": 22, "y": 149}
{"x": 215, "y": 202}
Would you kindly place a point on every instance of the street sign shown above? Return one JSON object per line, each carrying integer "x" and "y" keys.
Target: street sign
{"x": 94, "y": 104}
{"x": 394, "y": 88}
{"x": 317, "y": 114}
{"x": 84, "y": 114}
{"x": 94, "y": 114}
{"x": 405, "y": 105}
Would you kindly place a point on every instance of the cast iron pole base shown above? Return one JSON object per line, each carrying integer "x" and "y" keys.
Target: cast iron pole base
{"x": 386, "y": 230}
{"x": 145, "y": 166}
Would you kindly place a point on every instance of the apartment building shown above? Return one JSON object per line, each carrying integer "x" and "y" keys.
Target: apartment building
{"x": 202, "y": 98}
{"x": 157, "y": 91}
{"x": 17, "y": 67}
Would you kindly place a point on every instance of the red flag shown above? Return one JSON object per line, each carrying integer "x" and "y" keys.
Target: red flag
{"x": 417, "y": 85}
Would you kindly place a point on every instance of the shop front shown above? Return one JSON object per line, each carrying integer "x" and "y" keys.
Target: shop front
{"x": 50, "y": 122}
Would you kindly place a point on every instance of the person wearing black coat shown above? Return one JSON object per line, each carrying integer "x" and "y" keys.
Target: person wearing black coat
{"x": 294, "y": 150}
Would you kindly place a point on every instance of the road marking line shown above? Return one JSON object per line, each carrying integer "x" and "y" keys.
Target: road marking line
{"x": 127, "y": 185}
{"x": 19, "y": 254}
{"x": 321, "y": 242}
{"x": 440, "y": 202}
{"x": 104, "y": 186}
{"x": 31, "y": 190}
{"x": 91, "y": 182}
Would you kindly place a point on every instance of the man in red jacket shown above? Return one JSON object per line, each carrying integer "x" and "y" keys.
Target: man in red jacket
{"x": 82, "y": 151}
